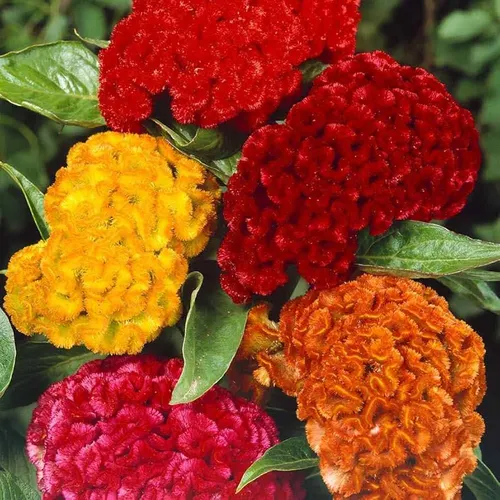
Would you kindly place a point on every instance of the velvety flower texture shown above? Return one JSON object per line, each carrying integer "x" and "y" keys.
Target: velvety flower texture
{"x": 374, "y": 142}
{"x": 125, "y": 215}
{"x": 211, "y": 61}
{"x": 108, "y": 431}
{"x": 388, "y": 381}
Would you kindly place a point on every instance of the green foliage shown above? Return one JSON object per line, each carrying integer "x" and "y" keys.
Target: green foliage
{"x": 290, "y": 455}
{"x": 57, "y": 80}
{"x": 12, "y": 488}
{"x": 213, "y": 332}
{"x": 34, "y": 198}
{"x": 7, "y": 352}
{"x": 40, "y": 364}
{"x": 482, "y": 481}
{"x": 422, "y": 250}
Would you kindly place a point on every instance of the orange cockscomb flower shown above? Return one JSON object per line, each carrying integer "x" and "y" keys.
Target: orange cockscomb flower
{"x": 125, "y": 215}
{"x": 388, "y": 381}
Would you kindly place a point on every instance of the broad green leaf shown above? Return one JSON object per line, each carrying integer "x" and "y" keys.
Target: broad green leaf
{"x": 479, "y": 292}
{"x": 461, "y": 25}
{"x": 102, "y": 44}
{"x": 482, "y": 482}
{"x": 7, "y": 352}
{"x": 34, "y": 198}
{"x": 58, "y": 80}
{"x": 422, "y": 250}
{"x": 13, "y": 458}
{"x": 39, "y": 365}
{"x": 214, "y": 329}
{"x": 311, "y": 69}
{"x": 12, "y": 488}
{"x": 290, "y": 455}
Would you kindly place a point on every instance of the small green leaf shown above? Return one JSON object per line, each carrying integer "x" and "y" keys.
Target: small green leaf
{"x": 225, "y": 168}
{"x": 311, "y": 69}
{"x": 102, "y": 44}
{"x": 292, "y": 454}
{"x": 57, "y": 80}
{"x": 497, "y": 8}
{"x": 7, "y": 352}
{"x": 34, "y": 198}
{"x": 482, "y": 482}
{"x": 39, "y": 365}
{"x": 13, "y": 458}
{"x": 461, "y": 25}
{"x": 479, "y": 292}
{"x": 12, "y": 488}
{"x": 214, "y": 329}
{"x": 422, "y": 250}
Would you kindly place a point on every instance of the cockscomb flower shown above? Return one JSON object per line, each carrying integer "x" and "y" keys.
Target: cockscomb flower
{"x": 108, "y": 431}
{"x": 374, "y": 142}
{"x": 212, "y": 61}
{"x": 388, "y": 381}
{"x": 125, "y": 215}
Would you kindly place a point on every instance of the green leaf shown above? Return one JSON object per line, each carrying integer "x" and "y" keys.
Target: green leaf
{"x": 13, "y": 458}
{"x": 214, "y": 329}
{"x": 292, "y": 454}
{"x": 479, "y": 292}
{"x": 489, "y": 231}
{"x": 311, "y": 69}
{"x": 461, "y": 25}
{"x": 102, "y": 44}
{"x": 225, "y": 168}
{"x": 39, "y": 365}
{"x": 207, "y": 143}
{"x": 482, "y": 482}
{"x": 497, "y": 7}
{"x": 34, "y": 198}
{"x": 90, "y": 20}
{"x": 7, "y": 352}
{"x": 422, "y": 250}
{"x": 479, "y": 275}
{"x": 58, "y": 80}
{"x": 12, "y": 488}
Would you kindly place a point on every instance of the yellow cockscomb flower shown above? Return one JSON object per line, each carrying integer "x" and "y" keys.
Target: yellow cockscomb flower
{"x": 125, "y": 215}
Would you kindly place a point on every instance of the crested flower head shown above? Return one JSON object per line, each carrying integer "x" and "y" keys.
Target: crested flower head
{"x": 125, "y": 215}
{"x": 374, "y": 142}
{"x": 388, "y": 381}
{"x": 108, "y": 431}
{"x": 212, "y": 61}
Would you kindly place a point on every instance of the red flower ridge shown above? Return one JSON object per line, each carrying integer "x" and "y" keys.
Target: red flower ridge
{"x": 218, "y": 60}
{"x": 374, "y": 142}
{"x": 108, "y": 431}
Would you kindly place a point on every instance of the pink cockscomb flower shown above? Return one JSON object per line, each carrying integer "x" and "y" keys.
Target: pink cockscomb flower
{"x": 109, "y": 431}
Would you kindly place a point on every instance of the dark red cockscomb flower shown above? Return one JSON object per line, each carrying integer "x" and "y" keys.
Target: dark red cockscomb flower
{"x": 217, "y": 60}
{"x": 374, "y": 142}
{"x": 108, "y": 431}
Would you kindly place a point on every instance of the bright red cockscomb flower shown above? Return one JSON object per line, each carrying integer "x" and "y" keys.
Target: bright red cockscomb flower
{"x": 108, "y": 431}
{"x": 374, "y": 142}
{"x": 213, "y": 61}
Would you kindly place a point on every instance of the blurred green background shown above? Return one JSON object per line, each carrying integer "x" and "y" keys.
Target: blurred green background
{"x": 458, "y": 40}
